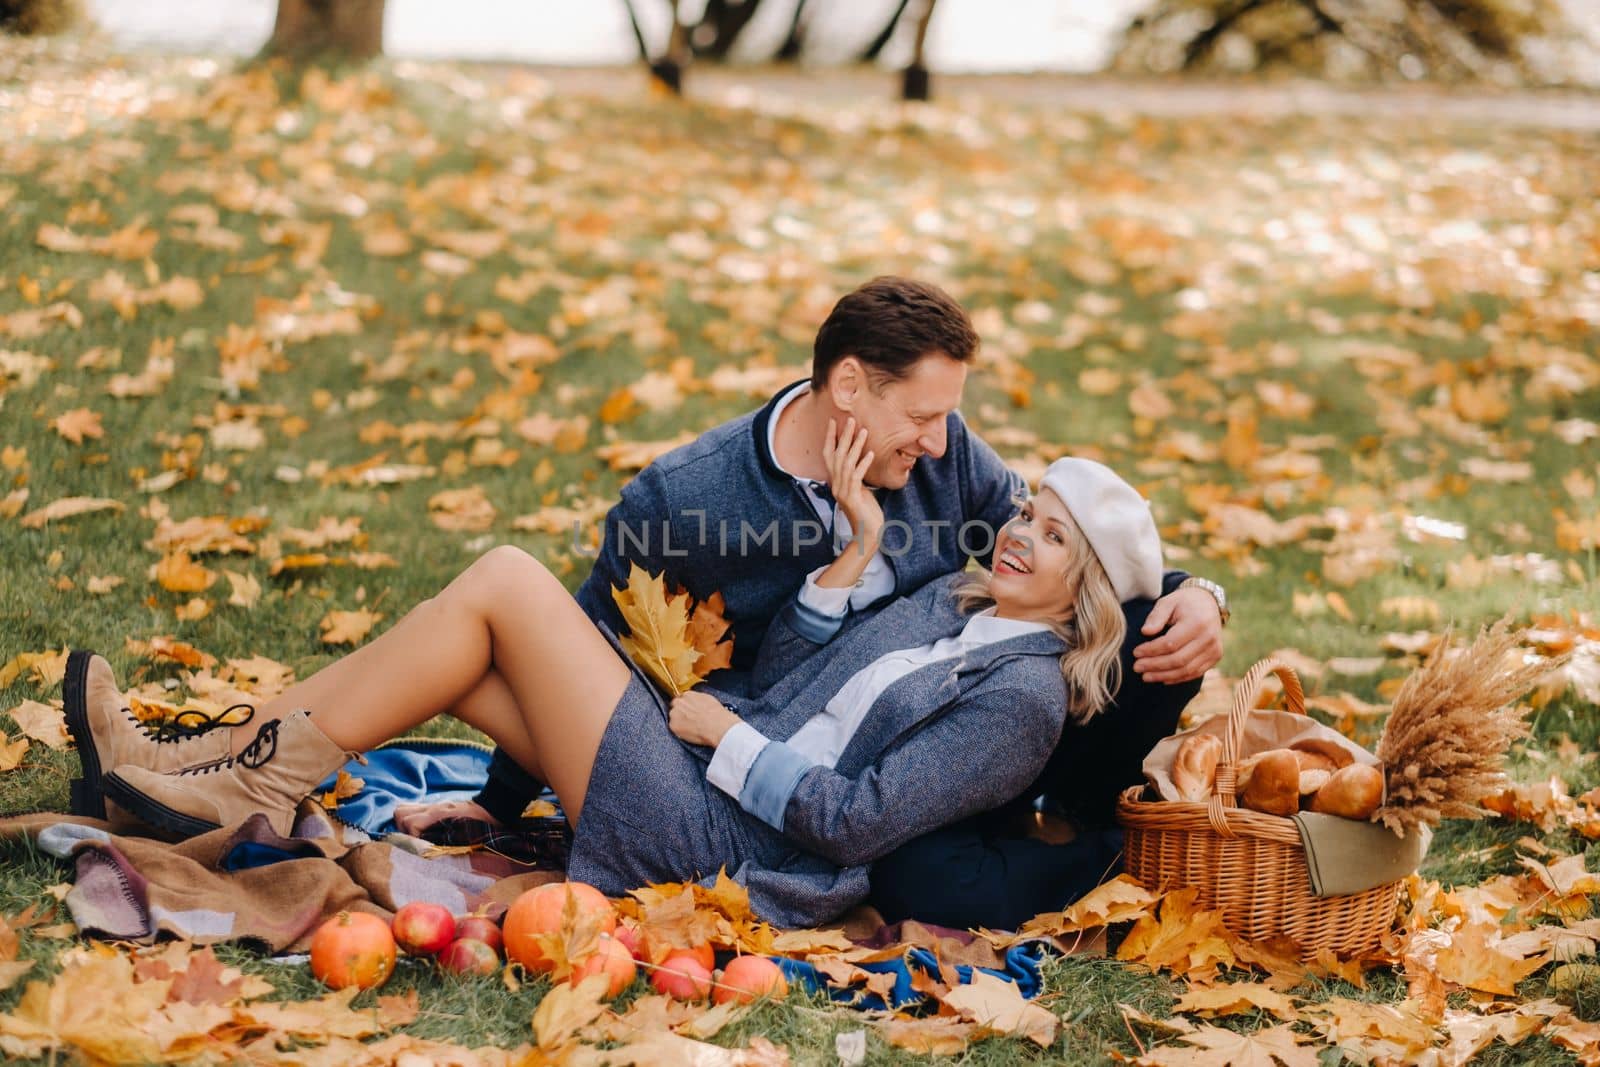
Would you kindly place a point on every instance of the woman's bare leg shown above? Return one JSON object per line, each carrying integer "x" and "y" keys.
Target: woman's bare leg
{"x": 492, "y": 696}
{"x": 504, "y": 613}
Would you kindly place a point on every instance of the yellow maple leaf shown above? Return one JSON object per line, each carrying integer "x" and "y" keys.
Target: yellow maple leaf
{"x": 669, "y": 919}
{"x": 937, "y": 1035}
{"x": 1474, "y": 959}
{"x": 567, "y": 1009}
{"x": 539, "y": 809}
{"x": 345, "y": 786}
{"x": 299, "y": 561}
{"x": 178, "y": 573}
{"x": 468, "y": 509}
{"x": 658, "y": 637}
{"x": 998, "y": 1006}
{"x": 707, "y": 625}
{"x": 77, "y": 424}
{"x": 66, "y": 508}
{"x": 348, "y": 627}
{"x": 246, "y": 589}
{"x": 11, "y": 752}
{"x": 44, "y": 723}
{"x": 45, "y": 668}
{"x": 1120, "y": 900}
{"x": 161, "y": 648}
{"x": 577, "y": 937}
{"x": 1236, "y": 998}
{"x": 1183, "y": 939}
{"x": 1212, "y": 1046}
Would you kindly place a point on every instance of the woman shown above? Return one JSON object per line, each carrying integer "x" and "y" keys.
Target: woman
{"x": 941, "y": 704}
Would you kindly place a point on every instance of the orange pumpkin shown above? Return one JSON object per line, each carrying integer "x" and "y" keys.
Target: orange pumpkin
{"x": 353, "y": 948}
{"x": 539, "y": 911}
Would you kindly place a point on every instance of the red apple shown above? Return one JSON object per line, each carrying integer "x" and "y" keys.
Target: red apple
{"x": 612, "y": 959}
{"x": 468, "y": 955}
{"x": 682, "y": 977}
{"x": 481, "y": 928}
{"x": 747, "y": 977}
{"x": 702, "y": 952}
{"x": 424, "y": 929}
{"x": 633, "y": 939}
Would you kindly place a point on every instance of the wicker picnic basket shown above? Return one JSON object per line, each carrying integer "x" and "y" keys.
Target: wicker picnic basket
{"x": 1249, "y": 864}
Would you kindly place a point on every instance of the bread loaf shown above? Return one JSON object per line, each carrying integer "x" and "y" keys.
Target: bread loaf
{"x": 1353, "y": 792}
{"x": 1336, "y": 754}
{"x": 1194, "y": 771}
{"x": 1273, "y": 786}
{"x": 1313, "y": 780}
{"x": 1315, "y": 761}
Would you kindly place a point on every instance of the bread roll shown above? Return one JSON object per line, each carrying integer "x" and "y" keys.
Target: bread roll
{"x": 1313, "y": 780}
{"x": 1194, "y": 771}
{"x": 1274, "y": 783}
{"x": 1353, "y": 792}
{"x": 1335, "y": 753}
{"x": 1315, "y": 761}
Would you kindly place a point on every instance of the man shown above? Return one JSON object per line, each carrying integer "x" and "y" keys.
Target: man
{"x": 745, "y": 510}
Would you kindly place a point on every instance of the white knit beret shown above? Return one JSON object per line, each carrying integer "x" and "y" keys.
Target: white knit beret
{"x": 1115, "y": 519}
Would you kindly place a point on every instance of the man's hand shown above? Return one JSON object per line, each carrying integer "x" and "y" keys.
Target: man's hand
{"x": 699, "y": 719}
{"x": 1192, "y": 645}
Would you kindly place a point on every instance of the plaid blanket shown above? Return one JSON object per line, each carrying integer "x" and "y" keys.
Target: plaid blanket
{"x": 246, "y": 883}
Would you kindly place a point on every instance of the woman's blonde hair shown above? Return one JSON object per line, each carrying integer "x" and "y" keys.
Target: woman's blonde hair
{"x": 1092, "y": 625}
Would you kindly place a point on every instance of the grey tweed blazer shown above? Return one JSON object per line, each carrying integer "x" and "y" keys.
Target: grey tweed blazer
{"x": 948, "y": 740}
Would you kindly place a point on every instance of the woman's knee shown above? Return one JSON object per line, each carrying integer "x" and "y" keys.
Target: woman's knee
{"x": 506, "y": 571}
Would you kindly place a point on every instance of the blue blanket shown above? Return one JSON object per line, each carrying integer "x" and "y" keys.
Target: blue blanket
{"x": 1022, "y": 967}
{"x": 408, "y": 772}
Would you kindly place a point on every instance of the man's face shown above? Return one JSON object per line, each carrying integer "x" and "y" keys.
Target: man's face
{"x": 905, "y": 418}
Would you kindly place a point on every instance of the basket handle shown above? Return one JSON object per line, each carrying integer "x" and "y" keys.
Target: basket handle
{"x": 1244, "y": 702}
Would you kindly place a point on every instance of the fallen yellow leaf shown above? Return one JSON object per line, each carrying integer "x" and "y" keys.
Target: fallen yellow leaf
{"x": 77, "y": 424}
{"x": 42, "y": 722}
{"x": 348, "y": 627}
{"x": 66, "y": 508}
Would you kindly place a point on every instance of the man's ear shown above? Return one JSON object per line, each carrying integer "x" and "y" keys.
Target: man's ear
{"x": 845, "y": 382}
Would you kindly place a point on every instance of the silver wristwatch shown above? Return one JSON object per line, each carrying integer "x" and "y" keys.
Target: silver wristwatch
{"x": 1219, "y": 594}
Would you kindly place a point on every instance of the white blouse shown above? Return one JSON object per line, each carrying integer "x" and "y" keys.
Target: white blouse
{"x": 826, "y": 735}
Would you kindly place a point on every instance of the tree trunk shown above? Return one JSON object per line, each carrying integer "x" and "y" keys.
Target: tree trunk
{"x": 666, "y": 73}
{"x": 1200, "y": 44}
{"x": 669, "y": 70}
{"x": 351, "y": 27}
{"x": 870, "y": 53}
{"x": 794, "y": 42}
{"x": 916, "y": 83}
{"x": 726, "y": 19}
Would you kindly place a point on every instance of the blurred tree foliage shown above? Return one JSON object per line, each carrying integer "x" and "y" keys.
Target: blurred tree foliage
{"x": 39, "y": 17}
{"x": 1448, "y": 40}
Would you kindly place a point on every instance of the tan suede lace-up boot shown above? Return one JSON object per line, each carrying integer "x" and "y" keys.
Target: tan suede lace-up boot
{"x": 287, "y": 760}
{"x": 107, "y": 734}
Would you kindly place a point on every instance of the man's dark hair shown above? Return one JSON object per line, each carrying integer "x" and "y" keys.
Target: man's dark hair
{"x": 889, "y": 324}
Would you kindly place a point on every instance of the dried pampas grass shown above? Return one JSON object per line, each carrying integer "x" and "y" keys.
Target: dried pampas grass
{"x": 1453, "y": 720}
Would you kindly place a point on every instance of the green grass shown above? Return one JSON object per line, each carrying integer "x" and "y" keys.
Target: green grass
{"x": 644, "y": 226}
